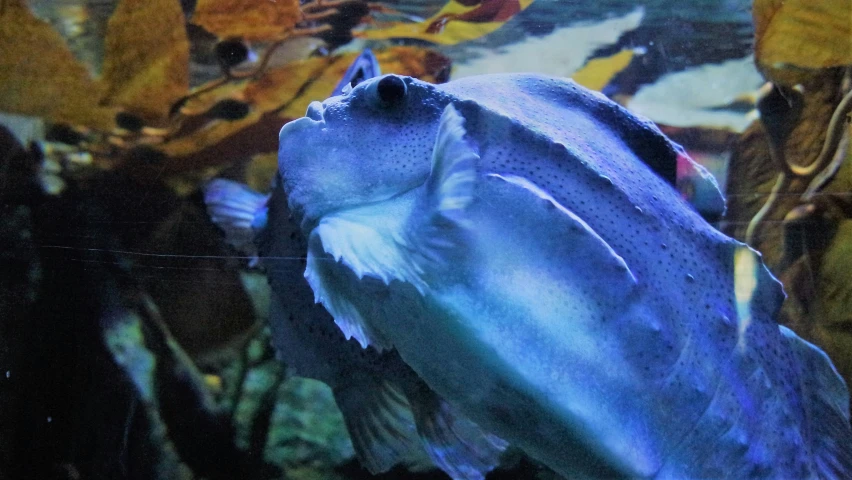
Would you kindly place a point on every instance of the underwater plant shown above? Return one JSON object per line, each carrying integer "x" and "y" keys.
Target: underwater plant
{"x": 789, "y": 175}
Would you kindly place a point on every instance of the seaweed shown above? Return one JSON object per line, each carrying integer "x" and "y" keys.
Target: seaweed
{"x": 789, "y": 178}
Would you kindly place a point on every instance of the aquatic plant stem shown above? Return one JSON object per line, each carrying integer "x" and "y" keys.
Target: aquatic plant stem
{"x": 827, "y": 163}
{"x": 781, "y": 183}
{"x": 836, "y": 147}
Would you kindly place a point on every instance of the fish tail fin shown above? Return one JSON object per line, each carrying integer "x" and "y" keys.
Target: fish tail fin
{"x": 381, "y": 426}
{"x": 455, "y": 444}
{"x": 826, "y": 400}
{"x": 238, "y": 211}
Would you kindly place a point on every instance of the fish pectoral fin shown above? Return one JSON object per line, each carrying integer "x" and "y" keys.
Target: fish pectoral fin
{"x": 380, "y": 425}
{"x": 358, "y": 253}
{"x": 435, "y": 228}
{"x": 449, "y": 188}
{"x": 335, "y": 285}
{"x": 238, "y": 211}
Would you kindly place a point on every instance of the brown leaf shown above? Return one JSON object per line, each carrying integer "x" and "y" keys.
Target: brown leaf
{"x": 39, "y": 75}
{"x": 248, "y": 19}
{"x": 802, "y": 33}
{"x": 817, "y": 282}
{"x": 146, "y": 64}
{"x": 278, "y": 95}
{"x": 274, "y": 89}
{"x": 752, "y": 173}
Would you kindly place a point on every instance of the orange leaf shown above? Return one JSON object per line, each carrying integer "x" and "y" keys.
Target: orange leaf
{"x": 248, "y": 19}
{"x": 803, "y": 33}
{"x": 146, "y": 64}
{"x": 39, "y": 75}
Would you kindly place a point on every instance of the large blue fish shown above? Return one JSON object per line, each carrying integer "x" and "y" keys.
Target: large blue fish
{"x": 392, "y": 416}
{"x": 518, "y": 241}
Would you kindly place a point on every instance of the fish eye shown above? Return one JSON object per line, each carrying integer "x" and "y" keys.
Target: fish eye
{"x": 391, "y": 90}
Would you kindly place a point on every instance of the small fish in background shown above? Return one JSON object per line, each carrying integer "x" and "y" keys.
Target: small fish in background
{"x": 519, "y": 241}
{"x": 393, "y": 418}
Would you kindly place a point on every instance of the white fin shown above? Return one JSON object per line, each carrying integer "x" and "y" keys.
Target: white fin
{"x": 826, "y": 399}
{"x": 334, "y": 282}
{"x": 380, "y": 425}
{"x": 369, "y": 241}
{"x": 394, "y": 240}
{"x": 239, "y": 211}
{"x": 434, "y": 232}
{"x": 450, "y": 184}
{"x": 454, "y": 443}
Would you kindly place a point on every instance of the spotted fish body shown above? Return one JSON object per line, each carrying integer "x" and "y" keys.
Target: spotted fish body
{"x": 517, "y": 240}
{"x": 392, "y": 417}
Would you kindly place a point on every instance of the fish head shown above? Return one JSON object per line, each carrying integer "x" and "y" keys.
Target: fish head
{"x": 368, "y": 145}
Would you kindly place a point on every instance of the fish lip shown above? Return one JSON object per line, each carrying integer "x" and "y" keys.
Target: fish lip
{"x": 314, "y": 111}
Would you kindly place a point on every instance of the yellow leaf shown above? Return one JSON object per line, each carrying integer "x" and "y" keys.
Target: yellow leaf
{"x": 454, "y": 30}
{"x": 248, "y": 19}
{"x": 146, "y": 63}
{"x": 803, "y": 33}
{"x": 39, "y": 75}
{"x": 320, "y": 87}
{"x": 276, "y": 88}
{"x": 598, "y": 72}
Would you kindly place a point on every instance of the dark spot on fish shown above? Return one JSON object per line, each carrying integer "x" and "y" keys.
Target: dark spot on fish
{"x": 391, "y": 90}
{"x": 231, "y": 52}
{"x": 129, "y": 122}
{"x": 229, "y": 109}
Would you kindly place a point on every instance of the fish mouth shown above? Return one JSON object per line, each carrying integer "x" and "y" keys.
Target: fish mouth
{"x": 314, "y": 111}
